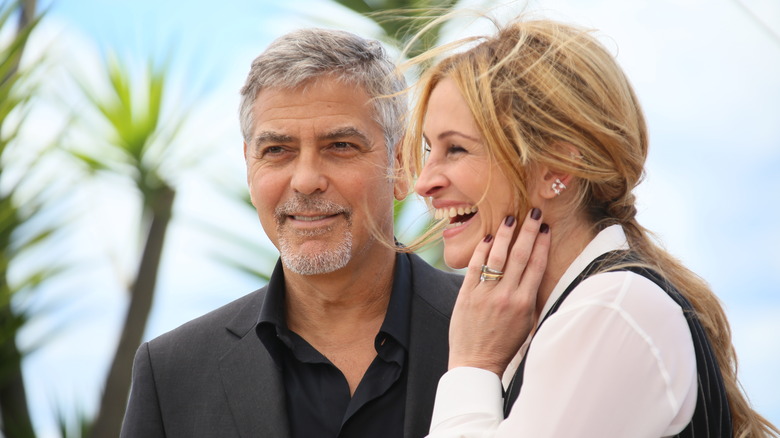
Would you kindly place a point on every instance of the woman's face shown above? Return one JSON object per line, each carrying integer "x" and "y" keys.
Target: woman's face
{"x": 465, "y": 190}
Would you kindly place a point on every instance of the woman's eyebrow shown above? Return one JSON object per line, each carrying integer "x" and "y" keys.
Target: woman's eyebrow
{"x": 452, "y": 132}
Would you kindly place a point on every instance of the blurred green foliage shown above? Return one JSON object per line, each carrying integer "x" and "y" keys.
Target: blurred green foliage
{"x": 20, "y": 233}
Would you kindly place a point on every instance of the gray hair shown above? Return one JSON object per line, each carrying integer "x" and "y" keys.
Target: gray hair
{"x": 307, "y": 54}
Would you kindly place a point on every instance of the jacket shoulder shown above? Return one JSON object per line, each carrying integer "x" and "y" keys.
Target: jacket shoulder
{"x": 437, "y": 288}
{"x": 231, "y": 320}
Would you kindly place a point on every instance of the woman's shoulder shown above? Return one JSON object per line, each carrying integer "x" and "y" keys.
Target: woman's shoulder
{"x": 623, "y": 306}
{"x": 626, "y": 291}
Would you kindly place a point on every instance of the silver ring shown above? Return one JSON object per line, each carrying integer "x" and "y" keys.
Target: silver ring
{"x": 489, "y": 274}
{"x": 487, "y": 270}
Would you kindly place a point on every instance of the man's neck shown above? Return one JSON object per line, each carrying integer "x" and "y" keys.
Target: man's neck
{"x": 334, "y": 304}
{"x": 340, "y": 313}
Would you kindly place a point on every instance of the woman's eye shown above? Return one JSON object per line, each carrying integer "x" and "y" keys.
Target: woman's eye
{"x": 455, "y": 149}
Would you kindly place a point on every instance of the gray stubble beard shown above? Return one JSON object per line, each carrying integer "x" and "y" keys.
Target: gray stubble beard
{"x": 318, "y": 263}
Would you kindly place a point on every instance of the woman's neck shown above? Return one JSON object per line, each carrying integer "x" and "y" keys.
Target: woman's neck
{"x": 569, "y": 237}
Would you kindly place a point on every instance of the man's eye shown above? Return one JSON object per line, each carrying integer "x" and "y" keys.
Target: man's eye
{"x": 344, "y": 148}
{"x": 271, "y": 151}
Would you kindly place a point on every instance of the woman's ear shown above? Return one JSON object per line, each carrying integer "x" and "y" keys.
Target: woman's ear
{"x": 552, "y": 182}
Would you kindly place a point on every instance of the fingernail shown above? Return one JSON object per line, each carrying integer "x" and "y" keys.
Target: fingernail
{"x": 488, "y": 238}
{"x": 536, "y": 213}
{"x": 544, "y": 229}
{"x": 509, "y": 221}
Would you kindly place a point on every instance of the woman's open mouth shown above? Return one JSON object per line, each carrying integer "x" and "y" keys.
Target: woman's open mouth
{"x": 457, "y": 216}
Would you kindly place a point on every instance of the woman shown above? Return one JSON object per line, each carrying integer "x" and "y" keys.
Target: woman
{"x": 596, "y": 330}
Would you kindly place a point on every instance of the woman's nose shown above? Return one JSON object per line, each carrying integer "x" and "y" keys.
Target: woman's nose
{"x": 431, "y": 180}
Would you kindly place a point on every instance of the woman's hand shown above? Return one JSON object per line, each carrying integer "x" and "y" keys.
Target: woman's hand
{"x": 493, "y": 317}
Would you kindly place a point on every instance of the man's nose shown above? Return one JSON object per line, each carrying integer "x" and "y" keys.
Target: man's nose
{"x": 309, "y": 176}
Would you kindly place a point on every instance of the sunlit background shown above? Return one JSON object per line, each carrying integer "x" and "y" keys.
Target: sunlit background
{"x": 706, "y": 71}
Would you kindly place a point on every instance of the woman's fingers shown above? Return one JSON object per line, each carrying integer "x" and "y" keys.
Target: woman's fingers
{"x": 493, "y": 252}
{"x": 523, "y": 247}
{"x": 474, "y": 269}
{"x": 526, "y": 294}
{"x": 496, "y": 260}
{"x": 493, "y": 317}
{"x": 537, "y": 263}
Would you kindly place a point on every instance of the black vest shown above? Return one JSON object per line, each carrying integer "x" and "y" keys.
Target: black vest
{"x": 712, "y": 416}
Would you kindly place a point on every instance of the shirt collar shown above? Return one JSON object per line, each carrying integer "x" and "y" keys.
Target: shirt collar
{"x": 609, "y": 239}
{"x": 395, "y": 324}
{"x": 273, "y": 305}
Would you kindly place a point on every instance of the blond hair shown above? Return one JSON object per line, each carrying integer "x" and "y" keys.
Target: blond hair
{"x": 538, "y": 85}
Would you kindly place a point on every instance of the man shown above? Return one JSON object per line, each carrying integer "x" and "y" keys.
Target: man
{"x": 349, "y": 337}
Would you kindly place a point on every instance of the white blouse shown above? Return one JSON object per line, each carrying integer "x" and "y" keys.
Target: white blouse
{"x": 615, "y": 360}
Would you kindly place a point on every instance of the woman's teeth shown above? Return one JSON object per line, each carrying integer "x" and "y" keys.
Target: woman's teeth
{"x": 451, "y": 212}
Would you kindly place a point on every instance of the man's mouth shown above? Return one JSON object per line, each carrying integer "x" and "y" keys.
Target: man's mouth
{"x": 311, "y": 218}
{"x": 310, "y": 210}
{"x": 457, "y": 216}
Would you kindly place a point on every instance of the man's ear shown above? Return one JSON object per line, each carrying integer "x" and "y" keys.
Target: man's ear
{"x": 400, "y": 182}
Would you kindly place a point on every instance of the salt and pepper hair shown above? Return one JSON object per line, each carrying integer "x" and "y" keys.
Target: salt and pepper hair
{"x": 308, "y": 54}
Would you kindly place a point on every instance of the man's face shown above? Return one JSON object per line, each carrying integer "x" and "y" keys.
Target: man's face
{"x": 317, "y": 169}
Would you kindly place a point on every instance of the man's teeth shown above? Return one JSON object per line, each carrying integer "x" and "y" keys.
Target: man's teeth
{"x": 451, "y": 212}
{"x": 309, "y": 218}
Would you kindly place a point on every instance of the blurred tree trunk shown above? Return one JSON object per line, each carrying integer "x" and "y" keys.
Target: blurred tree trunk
{"x": 13, "y": 397}
{"x": 140, "y": 142}
{"x": 117, "y": 388}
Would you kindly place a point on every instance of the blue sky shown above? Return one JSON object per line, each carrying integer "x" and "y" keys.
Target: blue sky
{"x": 705, "y": 71}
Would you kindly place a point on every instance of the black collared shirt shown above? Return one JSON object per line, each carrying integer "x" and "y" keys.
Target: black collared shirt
{"x": 318, "y": 399}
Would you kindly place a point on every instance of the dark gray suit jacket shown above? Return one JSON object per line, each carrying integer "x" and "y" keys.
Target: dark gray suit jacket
{"x": 213, "y": 377}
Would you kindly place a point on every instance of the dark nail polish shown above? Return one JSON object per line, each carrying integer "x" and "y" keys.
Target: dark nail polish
{"x": 536, "y": 213}
{"x": 544, "y": 229}
{"x": 509, "y": 221}
{"x": 488, "y": 238}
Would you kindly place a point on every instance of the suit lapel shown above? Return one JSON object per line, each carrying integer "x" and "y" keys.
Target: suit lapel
{"x": 427, "y": 362}
{"x": 428, "y": 348}
{"x": 252, "y": 382}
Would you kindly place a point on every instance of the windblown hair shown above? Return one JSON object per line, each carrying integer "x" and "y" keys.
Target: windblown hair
{"x": 304, "y": 55}
{"x": 539, "y": 86}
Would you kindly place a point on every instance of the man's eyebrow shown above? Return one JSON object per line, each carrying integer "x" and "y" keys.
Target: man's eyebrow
{"x": 345, "y": 132}
{"x": 266, "y": 137}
